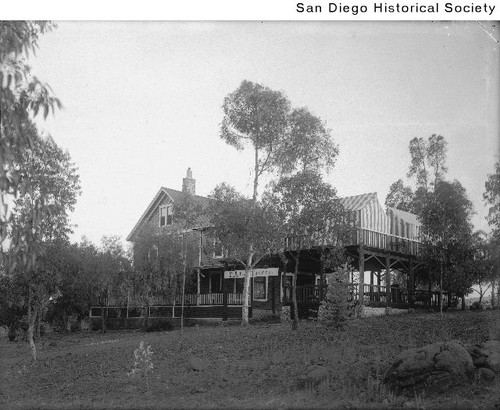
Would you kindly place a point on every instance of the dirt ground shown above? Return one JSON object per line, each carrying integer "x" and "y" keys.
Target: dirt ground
{"x": 254, "y": 367}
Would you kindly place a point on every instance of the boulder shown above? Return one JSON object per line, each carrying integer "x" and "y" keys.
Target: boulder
{"x": 313, "y": 376}
{"x": 485, "y": 374}
{"x": 434, "y": 368}
{"x": 486, "y": 355}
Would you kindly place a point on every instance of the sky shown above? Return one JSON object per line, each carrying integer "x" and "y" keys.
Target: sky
{"x": 142, "y": 103}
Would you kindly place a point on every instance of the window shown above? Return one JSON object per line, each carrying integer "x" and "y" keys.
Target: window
{"x": 166, "y": 217}
{"x": 260, "y": 288}
{"x": 218, "y": 249}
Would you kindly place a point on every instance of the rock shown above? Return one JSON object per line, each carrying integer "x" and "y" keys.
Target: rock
{"x": 197, "y": 364}
{"x": 486, "y": 355}
{"x": 492, "y": 350}
{"x": 313, "y": 376}
{"x": 485, "y": 374}
{"x": 433, "y": 368}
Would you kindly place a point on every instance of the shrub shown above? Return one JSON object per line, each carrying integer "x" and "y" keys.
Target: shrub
{"x": 285, "y": 316}
{"x": 158, "y": 325}
{"x": 337, "y": 306}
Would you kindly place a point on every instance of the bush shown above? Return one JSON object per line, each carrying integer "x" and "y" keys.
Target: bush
{"x": 158, "y": 325}
{"x": 338, "y": 306}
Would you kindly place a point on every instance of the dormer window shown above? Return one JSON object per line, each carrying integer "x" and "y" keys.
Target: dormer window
{"x": 166, "y": 217}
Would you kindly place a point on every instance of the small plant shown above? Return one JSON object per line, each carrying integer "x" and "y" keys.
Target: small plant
{"x": 143, "y": 364}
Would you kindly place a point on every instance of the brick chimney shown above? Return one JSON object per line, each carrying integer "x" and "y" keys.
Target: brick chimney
{"x": 189, "y": 183}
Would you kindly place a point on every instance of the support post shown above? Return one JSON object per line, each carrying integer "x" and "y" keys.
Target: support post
{"x": 224, "y": 301}
{"x": 411, "y": 285}
{"x": 388, "y": 280}
{"x": 198, "y": 273}
{"x": 371, "y": 286}
{"x": 361, "y": 290}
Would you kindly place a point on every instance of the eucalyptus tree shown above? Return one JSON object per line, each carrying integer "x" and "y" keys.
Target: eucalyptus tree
{"x": 22, "y": 97}
{"x": 239, "y": 221}
{"x": 284, "y": 140}
{"x": 255, "y": 116}
{"x": 491, "y": 197}
{"x": 428, "y": 161}
{"x": 427, "y": 168}
{"x": 310, "y": 214}
{"x": 48, "y": 189}
{"x": 447, "y": 235}
{"x": 308, "y": 144}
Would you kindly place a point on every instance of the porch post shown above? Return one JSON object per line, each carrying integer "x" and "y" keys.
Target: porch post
{"x": 198, "y": 273}
{"x": 361, "y": 290}
{"x": 224, "y": 302}
{"x": 411, "y": 284}
{"x": 388, "y": 280}
{"x": 431, "y": 296}
{"x": 371, "y": 286}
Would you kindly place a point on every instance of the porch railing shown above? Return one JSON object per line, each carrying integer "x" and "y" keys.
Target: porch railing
{"x": 210, "y": 299}
{"x": 369, "y": 238}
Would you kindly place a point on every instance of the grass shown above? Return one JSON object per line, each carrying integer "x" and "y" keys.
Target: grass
{"x": 254, "y": 367}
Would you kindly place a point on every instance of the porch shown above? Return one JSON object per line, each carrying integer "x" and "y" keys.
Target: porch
{"x": 373, "y": 295}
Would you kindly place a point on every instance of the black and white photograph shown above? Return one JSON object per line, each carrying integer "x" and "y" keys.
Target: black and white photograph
{"x": 248, "y": 214}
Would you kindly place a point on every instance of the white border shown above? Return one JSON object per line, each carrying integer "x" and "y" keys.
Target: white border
{"x": 240, "y": 10}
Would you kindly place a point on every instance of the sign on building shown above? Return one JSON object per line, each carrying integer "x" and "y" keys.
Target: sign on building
{"x": 237, "y": 274}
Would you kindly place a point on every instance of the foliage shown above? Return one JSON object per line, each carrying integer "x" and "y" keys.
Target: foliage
{"x": 287, "y": 141}
{"x": 39, "y": 222}
{"x": 308, "y": 144}
{"x": 230, "y": 213}
{"x": 12, "y": 305}
{"x": 447, "y": 234}
{"x": 491, "y": 197}
{"x": 428, "y": 167}
{"x": 159, "y": 325}
{"x": 400, "y": 196}
{"x": 484, "y": 264}
{"x": 22, "y": 96}
{"x": 310, "y": 215}
{"x": 164, "y": 256}
{"x": 428, "y": 160}
{"x": 338, "y": 304}
{"x": 256, "y": 115}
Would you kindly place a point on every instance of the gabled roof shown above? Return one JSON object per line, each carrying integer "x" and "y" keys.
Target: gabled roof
{"x": 173, "y": 195}
{"x": 358, "y": 202}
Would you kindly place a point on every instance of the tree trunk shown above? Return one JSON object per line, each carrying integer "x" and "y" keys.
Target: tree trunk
{"x": 104, "y": 312}
{"x": 493, "y": 293}
{"x": 463, "y": 302}
{"x": 295, "y": 321}
{"x": 441, "y": 291}
{"x": 246, "y": 293}
{"x": 31, "y": 323}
